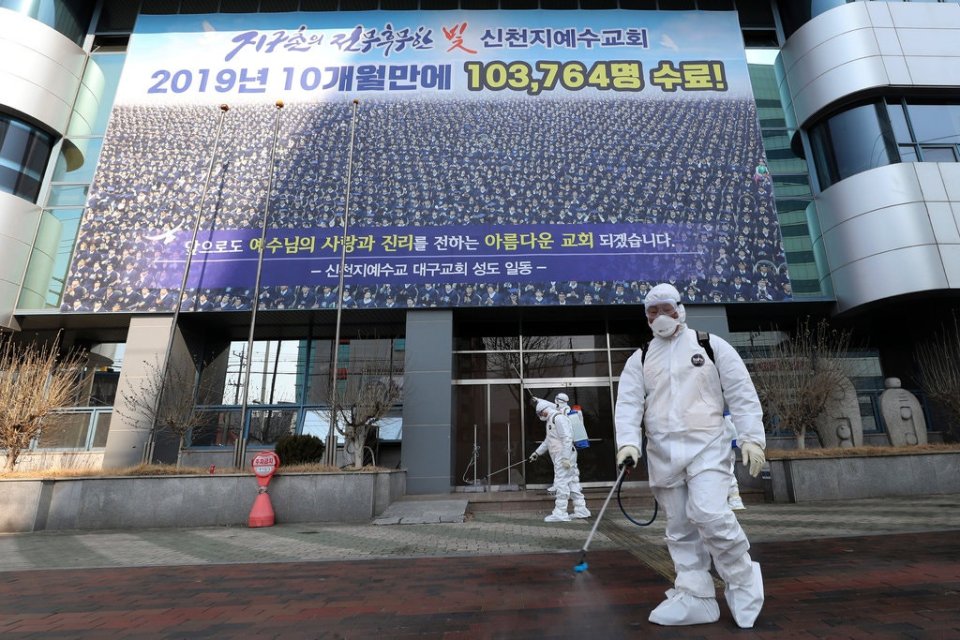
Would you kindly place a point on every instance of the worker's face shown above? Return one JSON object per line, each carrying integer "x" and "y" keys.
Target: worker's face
{"x": 664, "y": 308}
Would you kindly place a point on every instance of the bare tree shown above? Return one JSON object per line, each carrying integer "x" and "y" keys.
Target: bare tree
{"x": 938, "y": 361}
{"x": 797, "y": 377}
{"x": 177, "y": 412}
{"x": 370, "y": 390}
{"x": 34, "y": 383}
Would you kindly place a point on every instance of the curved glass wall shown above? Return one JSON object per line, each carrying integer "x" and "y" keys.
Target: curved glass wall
{"x": 24, "y": 152}
{"x": 69, "y": 17}
{"x": 880, "y": 133}
{"x": 852, "y": 141}
{"x": 791, "y": 180}
{"x": 71, "y": 185}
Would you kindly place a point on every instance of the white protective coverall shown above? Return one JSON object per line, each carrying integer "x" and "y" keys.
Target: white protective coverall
{"x": 566, "y": 478}
{"x": 679, "y": 393}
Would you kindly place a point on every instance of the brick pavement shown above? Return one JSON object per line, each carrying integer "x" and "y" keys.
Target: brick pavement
{"x": 904, "y": 584}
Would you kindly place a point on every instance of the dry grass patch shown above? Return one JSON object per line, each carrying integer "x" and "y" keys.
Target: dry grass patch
{"x": 316, "y": 467}
{"x": 172, "y": 470}
{"x": 858, "y": 452}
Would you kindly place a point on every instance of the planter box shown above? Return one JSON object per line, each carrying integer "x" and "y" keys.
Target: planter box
{"x": 192, "y": 501}
{"x": 843, "y": 478}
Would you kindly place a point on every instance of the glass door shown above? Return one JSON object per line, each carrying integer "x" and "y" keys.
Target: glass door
{"x": 489, "y": 447}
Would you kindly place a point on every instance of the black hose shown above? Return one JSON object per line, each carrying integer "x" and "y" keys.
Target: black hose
{"x": 627, "y": 515}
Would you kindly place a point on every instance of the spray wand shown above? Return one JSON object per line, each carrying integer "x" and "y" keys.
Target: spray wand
{"x": 493, "y": 473}
{"x": 581, "y": 566}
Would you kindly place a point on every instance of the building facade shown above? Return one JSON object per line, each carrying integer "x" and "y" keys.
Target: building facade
{"x": 802, "y": 159}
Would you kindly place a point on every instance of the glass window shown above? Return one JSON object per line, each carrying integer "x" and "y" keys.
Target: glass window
{"x": 111, "y": 64}
{"x": 274, "y": 372}
{"x": 391, "y": 427}
{"x": 586, "y": 364}
{"x": 64, "y": 431}
{"x": 316, "y": 422}
{"x": 938, "y": 154}
{"x": 24, "y": 153}
{"x": 90, "y": 150}
{"x": 908, "y": 153}
{"x": 268, "y": 425}
{"x": 935, "y": 123}
{"x": 103, "y": 429}
{"x": 480, "y": 366}
{"x": 898, "y": 121}
{"x": 69, "y": 17}
{"x": 851, "y": 142}
{"x": 104, "y": 389}
{"x": 69, "y": 220}
{"x": 68, "y": 194}
{"x": 297, "y": 371}
{"x": 220, "y": 429}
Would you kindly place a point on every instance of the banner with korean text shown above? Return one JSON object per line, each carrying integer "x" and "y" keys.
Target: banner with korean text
{"x": 498, "y": 158}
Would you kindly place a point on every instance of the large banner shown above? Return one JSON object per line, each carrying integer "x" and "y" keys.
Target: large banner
{"x": 443, "y": 158}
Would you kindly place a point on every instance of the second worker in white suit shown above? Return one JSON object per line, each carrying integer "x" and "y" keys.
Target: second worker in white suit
{"x": 678, "y": 390}
{"x": 566, "y": 477}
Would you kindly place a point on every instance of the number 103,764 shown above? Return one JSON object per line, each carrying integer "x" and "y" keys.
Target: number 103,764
{"x": 547, "y": 75}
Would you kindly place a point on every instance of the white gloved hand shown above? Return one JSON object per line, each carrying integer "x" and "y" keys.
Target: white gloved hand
{"x": 566, "y": 464}
{"x": 628, "y": 455}
{"x": 753, "y": 457}
{"x": 534, "y": 456}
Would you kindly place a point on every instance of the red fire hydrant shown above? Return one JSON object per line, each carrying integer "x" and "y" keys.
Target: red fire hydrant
{"x": 264, "y": 466}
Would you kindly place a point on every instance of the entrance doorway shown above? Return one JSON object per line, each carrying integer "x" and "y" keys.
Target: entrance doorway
{"x": 496, "y": 430}
{"x": 597, "y": 463}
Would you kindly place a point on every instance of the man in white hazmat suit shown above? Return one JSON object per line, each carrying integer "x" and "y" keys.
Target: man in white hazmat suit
{"x": 566, "y": 479}
{"x": 679, "y": 392}
{"x": 562, "y": 402}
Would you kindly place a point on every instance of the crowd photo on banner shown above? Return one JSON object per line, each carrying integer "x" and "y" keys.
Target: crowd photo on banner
{"x": 678, "y": 179}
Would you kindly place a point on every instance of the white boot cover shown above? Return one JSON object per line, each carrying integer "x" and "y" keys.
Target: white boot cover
{"x": 745, "y": 601}
{"x": 580, "y": 508}
{"x": 683, "y": 608}
{"x": 693, "y": 601}
{"x": 557, "y": 516}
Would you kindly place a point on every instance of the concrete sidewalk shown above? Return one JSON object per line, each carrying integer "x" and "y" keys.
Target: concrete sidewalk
{"x": 485, "y": 532}
{"x": 886, "y": 568}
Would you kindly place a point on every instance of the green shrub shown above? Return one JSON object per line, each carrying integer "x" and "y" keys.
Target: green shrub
{"x": 299, "y": 449}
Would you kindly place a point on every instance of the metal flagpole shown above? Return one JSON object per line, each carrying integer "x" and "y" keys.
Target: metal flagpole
{"x": 330, "y": 454}
{"x": 255, "y": 304}
{"x": 148, "y": 450}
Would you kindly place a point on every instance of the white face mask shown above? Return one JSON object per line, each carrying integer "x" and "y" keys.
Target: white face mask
{"x": 664, "y": 326}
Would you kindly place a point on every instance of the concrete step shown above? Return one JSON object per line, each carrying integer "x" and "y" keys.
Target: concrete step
{"x": 633, "y": 499}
